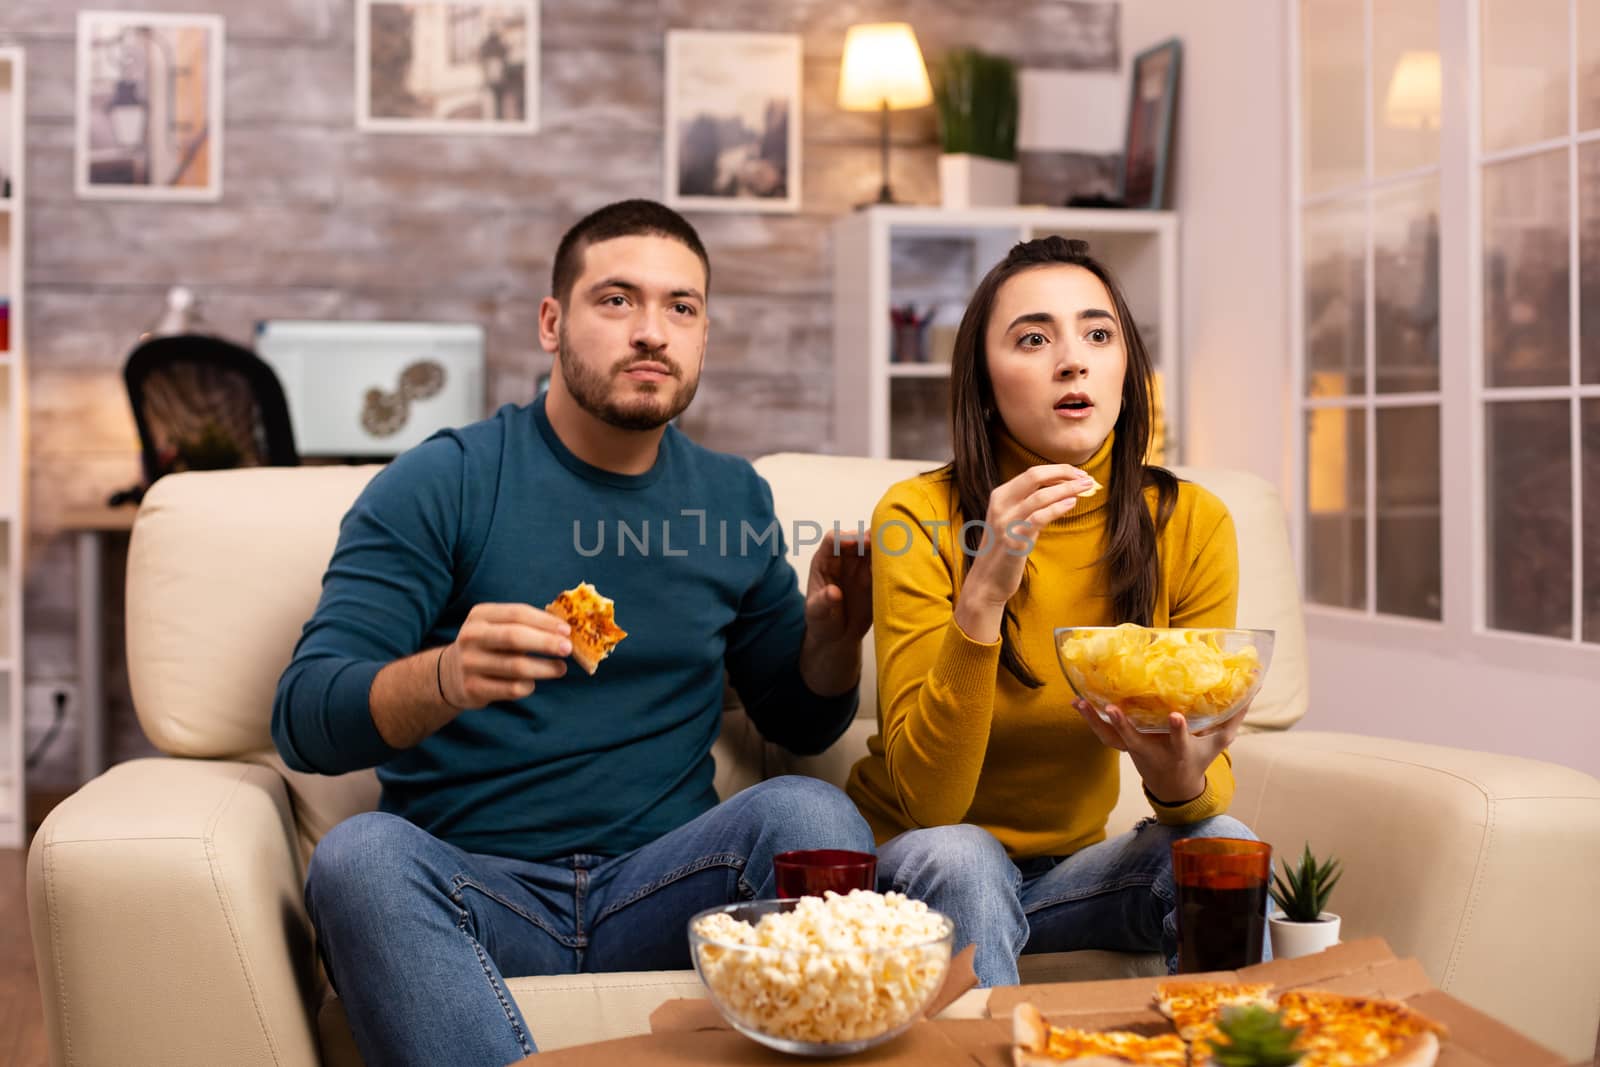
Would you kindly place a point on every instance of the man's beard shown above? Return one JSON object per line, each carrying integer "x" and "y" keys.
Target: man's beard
{"x": 643, "y": 411}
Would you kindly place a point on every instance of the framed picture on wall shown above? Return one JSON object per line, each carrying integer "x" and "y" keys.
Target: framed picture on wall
{"x": 149, "y": 106}
{"x": 732, "y": 121}
{"x": 1152, "y": 120}
{"x": 447, "y": 66}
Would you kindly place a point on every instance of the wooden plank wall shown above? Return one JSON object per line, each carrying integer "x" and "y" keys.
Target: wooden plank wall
{"x": 319, "y": 220}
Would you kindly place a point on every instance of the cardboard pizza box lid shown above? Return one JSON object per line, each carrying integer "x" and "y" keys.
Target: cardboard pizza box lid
{"x": 1480, "y": 1035}
{"x": 1345, "y": 958}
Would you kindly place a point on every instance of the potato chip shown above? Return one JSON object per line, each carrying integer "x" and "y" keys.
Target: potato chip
{"x": 1150, "y": 673}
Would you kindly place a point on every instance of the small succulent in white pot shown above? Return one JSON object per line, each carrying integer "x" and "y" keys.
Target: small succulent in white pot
{"x": 1301, "y": 892}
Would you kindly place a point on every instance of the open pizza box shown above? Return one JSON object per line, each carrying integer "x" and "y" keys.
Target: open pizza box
{"x": 1357, "y": 968}
{"x": 693, "y": 1032}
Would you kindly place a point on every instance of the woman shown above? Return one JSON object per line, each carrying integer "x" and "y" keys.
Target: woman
{"x": 987, "y": 786}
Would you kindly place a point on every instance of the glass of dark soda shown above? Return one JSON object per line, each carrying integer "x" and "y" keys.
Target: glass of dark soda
{"x": 1222, "y": 902}
{"x": 812, "y": 872}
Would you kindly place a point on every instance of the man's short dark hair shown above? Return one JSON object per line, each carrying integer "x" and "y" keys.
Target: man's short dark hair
{"x": 625, "y": 218}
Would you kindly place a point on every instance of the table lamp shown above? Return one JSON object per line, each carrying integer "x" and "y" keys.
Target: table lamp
{"x": 1412, "y": 101}
{"x": 883, "y": 71}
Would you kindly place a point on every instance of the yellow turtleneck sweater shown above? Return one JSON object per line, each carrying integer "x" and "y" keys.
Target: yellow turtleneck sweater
{"x": 959, "y": 739}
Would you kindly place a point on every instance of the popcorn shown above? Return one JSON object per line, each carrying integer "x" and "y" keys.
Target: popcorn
{"x": 836, "y": 968}
{"x": 1151, "y": 674}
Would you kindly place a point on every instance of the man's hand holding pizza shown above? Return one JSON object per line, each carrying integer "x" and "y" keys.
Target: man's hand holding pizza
{"x": 501, "y": 653}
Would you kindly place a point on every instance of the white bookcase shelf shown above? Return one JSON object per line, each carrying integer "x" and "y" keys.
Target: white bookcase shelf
{"x": 931, "y": 259}
{"x": 919, "y": 370}
{"x": 13, "y": 465}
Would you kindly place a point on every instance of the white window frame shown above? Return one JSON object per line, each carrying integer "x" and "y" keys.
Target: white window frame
{"x": 1462, "y": 632}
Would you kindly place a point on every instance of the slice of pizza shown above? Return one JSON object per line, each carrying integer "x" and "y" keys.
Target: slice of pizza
{"x": 1343, "y": 1031}
{"x": 594, "y": 626}
{"x": 1194, "y": 1006}
{"x": 1038, "y": 1044}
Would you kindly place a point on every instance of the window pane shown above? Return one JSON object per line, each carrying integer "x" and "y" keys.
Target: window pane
{"x": 1589, "y": 263}
{"x": 1407, "y": 463}
{"x": 1405, "y": 85}
{"x": 1525, "y": 271}
{"x": 1591, "y": 520}
{"x": 1406, "y": 288}
{"x": 1334, "y": 51}
{"x": 1336, "y": 495}
{"x": 1525, "y": 48}
{"x": 1336, "y": 295}
{"x": 1588, "y": 66}
{"x": 1529, "y": 560}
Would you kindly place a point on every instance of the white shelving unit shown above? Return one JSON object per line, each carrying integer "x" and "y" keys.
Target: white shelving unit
{"x": 890, "y": 256}
{"x": 13, "y": 464}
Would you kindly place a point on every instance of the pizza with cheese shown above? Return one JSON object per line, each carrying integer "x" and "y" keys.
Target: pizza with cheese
{"x": 594, "y": 626}
{"x": 1335, "y": 1030}
{"x": 1341, "y": 1031}
{"x": 1193, "y": 1007}
{"x": 1038, "y": 1044}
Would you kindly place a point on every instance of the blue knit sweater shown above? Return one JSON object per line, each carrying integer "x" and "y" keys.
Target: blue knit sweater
{"x": 501, "y": 511}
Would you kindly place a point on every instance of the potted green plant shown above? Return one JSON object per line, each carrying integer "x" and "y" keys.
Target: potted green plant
{"x": 1305, "y": 925}
{"x": 976, "y": 97}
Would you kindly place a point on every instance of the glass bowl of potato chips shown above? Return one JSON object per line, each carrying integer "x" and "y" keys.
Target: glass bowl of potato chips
{"x": 1206, "y": 675}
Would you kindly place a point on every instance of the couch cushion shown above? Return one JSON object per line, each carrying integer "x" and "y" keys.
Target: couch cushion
{"x": 1269, "y": 590}
{"x": 811, "y": 493}
{"x": 224, "y": 569}
{"x": 320, "y": 801}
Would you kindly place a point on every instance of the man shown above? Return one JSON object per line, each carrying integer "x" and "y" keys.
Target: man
{"x": 536, "y": 819}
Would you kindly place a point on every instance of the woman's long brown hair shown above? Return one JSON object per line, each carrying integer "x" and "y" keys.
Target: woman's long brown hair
{"x": 1130, "y": 554}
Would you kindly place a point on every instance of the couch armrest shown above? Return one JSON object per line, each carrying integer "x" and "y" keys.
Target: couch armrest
{"x": 168, "y": 920}
{"x": 1484, "y": 867}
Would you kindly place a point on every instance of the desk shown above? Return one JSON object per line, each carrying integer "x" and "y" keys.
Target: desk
{"x": 90, "y": 527}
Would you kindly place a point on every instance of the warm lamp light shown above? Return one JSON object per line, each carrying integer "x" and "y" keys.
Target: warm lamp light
{"x": 883, "y": 71}
{"x": 883, "y": 67}
{"x": 1414, "y": 92}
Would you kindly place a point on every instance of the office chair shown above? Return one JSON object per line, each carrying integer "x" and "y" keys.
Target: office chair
{"x": 202, "y": 403}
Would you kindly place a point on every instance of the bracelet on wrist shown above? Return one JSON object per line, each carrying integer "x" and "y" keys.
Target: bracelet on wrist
{"x": 438, "y": 675}
{"x": 1174, "y": 804}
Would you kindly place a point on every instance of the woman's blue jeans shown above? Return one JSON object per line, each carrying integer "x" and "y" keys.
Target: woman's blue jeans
{"x": 1117, "y": 895}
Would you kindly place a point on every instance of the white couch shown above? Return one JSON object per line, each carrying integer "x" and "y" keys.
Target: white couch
{"x": 165, "y": 896}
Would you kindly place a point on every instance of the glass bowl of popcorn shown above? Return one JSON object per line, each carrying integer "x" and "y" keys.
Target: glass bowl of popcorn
{"x": 1206, "y": 675}
{"x": 822, "y": 976}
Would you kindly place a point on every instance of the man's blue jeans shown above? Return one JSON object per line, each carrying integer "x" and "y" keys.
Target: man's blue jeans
{"x": 417, "y": 934}
{"x": 1117, "y": 895}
